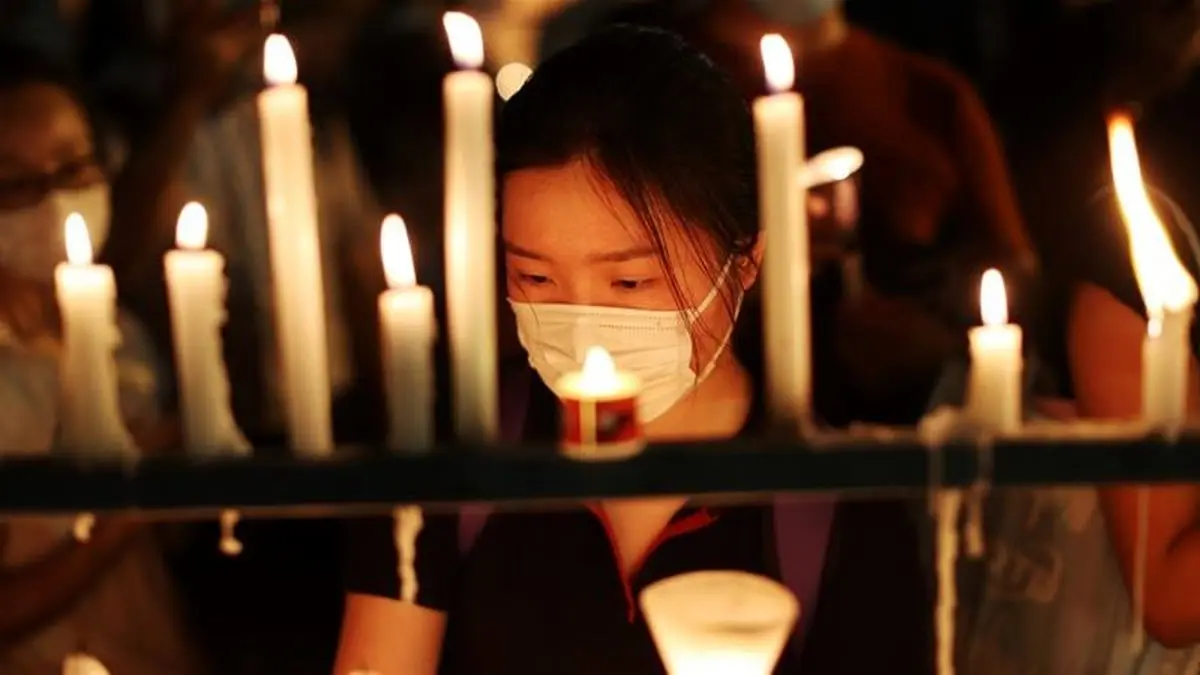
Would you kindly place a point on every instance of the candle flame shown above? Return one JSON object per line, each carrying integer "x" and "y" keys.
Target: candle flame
{"x": 598, "y": 366}
{"x": 1163, "y": 281}
{"x": 993, "y": 299}
{"x": 777, "y": 63}
{"x": 397, "y": 253}
{"x": 466, "y": 39}
{"x": 279, "y": 61}
{"x": 511, "y": 78}
{"x": 79, "y": 242}
{"x": 191, "y": 230}
{"x": 831, "y": 166}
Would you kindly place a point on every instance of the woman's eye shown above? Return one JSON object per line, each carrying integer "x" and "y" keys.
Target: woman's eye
{"x": 533, "y": 279}
{"x": 631, "y": 284}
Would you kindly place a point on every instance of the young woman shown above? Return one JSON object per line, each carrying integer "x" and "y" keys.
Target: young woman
{"x": 629, "y": 217}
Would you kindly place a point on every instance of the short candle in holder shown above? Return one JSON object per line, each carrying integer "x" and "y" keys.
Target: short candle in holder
{"x": 994, "y": 388}
{"x": 599, "y": 410}
{"x": 719, "y": 622}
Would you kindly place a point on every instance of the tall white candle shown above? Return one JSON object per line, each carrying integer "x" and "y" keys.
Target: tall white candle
{"x": 87, "y": 299}
{"x": 1167, "y": 289}
{"x": 196, "y": 289}
{"x": 471, "y": 234}
{"x": 295, "y": 250}
{"x": 408, "y": 326}
{"x": 994, "y": 388}
{"x": 779, "y": 125}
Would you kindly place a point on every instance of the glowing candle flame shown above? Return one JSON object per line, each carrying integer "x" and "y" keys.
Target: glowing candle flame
{"x": 466, "y": 39}
{"x": 777, "y": 62}
{"x": 397, "y": 253}
{"x": 79, "y": 241}
{"x": 279, "y": 61}
{"x": 831, "y": 166}
{"x": 993, "y": 300}
{"x": 599, "y": 370}
{"x": 1164, "y": 282}
{"x": 191, "y": 230}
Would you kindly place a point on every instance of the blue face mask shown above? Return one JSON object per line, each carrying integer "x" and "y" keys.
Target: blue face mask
{"x": 794, "y": 12}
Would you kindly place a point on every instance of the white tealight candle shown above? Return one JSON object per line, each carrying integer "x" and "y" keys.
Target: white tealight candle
{"x": 994, "y": 388}
{"x": 408, "y": 325}
{"x": 779, "y": 126}
{"x": 196, "y": 289}
{"x": 599, "y": 409}
{"x": 295, "y": 250}
{"x": 471, "y": 235}
{"x": 714, "y": 623}
{"x": 87, "y": 299}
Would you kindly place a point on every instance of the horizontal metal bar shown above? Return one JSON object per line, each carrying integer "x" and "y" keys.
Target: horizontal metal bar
{"x": 358, "y": 478}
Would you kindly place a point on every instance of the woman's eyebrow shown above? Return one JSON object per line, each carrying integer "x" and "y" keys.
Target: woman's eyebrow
{"x": 624, "y": 255}
{"x": 520, "y": 252}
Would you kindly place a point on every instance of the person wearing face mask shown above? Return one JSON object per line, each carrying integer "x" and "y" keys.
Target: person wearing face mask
{"x": 113, "y": 594}
{"x": 936, "y": 204}
{"x": 619, "y": 229}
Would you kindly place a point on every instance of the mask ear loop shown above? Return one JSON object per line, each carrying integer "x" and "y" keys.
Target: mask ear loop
{"x": 696, "y": 312}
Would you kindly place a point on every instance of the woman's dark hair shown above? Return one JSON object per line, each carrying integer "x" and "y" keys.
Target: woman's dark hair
{"x": 22, "y": 65}
{"x": 660, "y": 123}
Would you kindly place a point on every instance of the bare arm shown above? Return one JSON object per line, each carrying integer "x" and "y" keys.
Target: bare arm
{"x": 389, "y": 637}
{"x": 1105, "y": 340}
{"x": 33, "y": 595}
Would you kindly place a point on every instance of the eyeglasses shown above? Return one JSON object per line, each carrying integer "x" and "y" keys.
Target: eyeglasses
{"x": 25, "y": 191}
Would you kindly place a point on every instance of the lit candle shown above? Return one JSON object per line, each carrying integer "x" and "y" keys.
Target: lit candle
{"x": 196, "y": 289}
{"x": 83, "y": 664}
{"x": 471, "y": 234}
{"x": 779, "y": 125}
{"x": 994, "y": 389}
{"x": 295, "y": 250}
{"x": 710, "y": 623}
{"x": 599, "y": 409}
{"x": 87, "y": 299}
{"x": 408, "y": 324}
{"x": 1168, "y": 291}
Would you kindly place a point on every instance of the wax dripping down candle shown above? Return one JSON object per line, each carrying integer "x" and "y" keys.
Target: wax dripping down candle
{"x": 196, "y": 288}
{"x": 779, "y": 127}
{"x": 599, "y": 410}
{"x": 1169, "y": 294}
{"x": 994, "y": 388}
{"x": 295, "y": 250}
{"x": 87, "y": 299}
{"x": 713, "y": 623}
{"x": 949, "y": 506}
{"x": 471, "y": 234}
{"x": 407, "y": 524}
{"x": 408, "y": 328}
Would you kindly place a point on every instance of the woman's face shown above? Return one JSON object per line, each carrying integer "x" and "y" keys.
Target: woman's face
{"x": 570, "y": 238}
{"x": 45, "y": 144}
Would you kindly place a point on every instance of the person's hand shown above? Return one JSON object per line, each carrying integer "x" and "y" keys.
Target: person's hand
{"x": 28, "y": 309}
{"x": 213, "y": 44}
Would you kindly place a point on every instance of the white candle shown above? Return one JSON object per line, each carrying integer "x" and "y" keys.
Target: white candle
{"x": 87, "y": 299}
{"x": 1167, "y": 289}
{"x": 406, "y": 526}
{"x": 408, "y": 326}
{"x": 295, "y": 250}
{"x": 471, "y": 234}
{"x": 196, "y": 289}
{"x": 714, "y": 623}
{"x": 599, "y": 409}
{"x": 779, "y": 125}
{"x": 994, "y": 388}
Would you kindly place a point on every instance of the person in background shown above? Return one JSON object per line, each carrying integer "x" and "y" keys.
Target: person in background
{"x": 937, "y": 206}
{"x": 111, "y": 595}
{"x": 662, "y": 246}
{"x": 1058, "y": 579}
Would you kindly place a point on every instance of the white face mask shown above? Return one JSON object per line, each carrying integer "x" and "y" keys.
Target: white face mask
{"x": 32, "y": 240}
{"x": 654, "y": 345}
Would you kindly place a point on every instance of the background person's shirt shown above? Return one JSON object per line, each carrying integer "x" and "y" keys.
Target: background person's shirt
{"x": 129, "y": 617}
